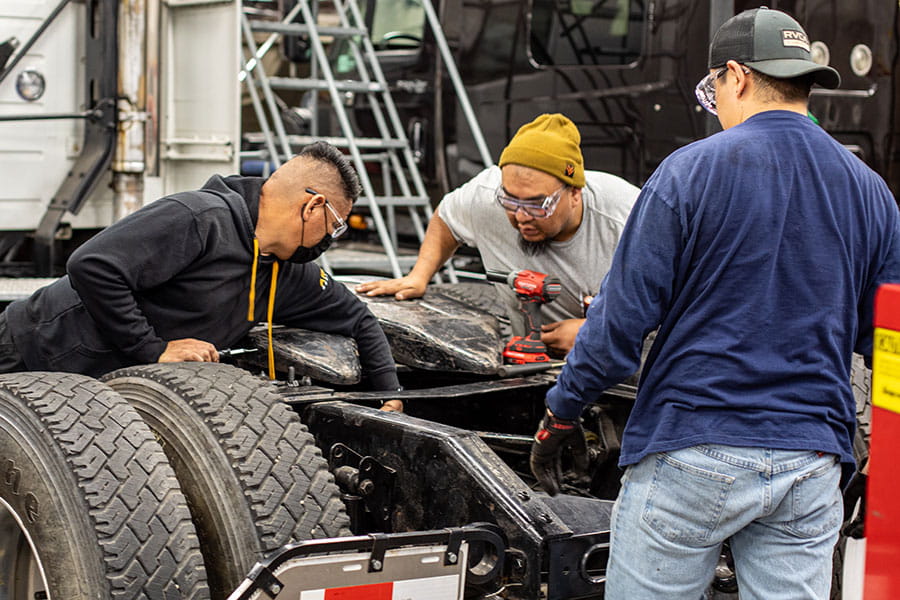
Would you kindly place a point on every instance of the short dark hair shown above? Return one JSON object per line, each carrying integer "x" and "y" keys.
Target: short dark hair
{"x": 794, "y": 89}
{"x": 325, "y": 152}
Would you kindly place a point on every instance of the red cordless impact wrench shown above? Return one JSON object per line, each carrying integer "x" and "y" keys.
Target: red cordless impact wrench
{"x": 532, "y": 289}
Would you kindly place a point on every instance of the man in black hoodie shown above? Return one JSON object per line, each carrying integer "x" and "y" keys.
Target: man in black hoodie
{"x": 194, "y": 271}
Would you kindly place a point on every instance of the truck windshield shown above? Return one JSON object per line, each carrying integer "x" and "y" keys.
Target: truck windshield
{"x": 587, "y": 32}
{"x": 396, "y": 24}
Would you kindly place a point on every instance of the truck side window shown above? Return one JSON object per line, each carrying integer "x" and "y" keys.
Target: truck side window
{"x": 587, "y": 32}
{"x": 395, "y": 24}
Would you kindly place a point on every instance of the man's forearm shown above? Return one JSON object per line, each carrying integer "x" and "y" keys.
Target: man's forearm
{"x": 112, "y": 305}
{"x": 437, "y": 248}
{"x": 375, "y": 355}
{"x": 108, "y": 270}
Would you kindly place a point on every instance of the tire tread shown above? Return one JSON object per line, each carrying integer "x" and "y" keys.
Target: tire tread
{"x": 139, "y": 514}
{"x": 271, "y": 452}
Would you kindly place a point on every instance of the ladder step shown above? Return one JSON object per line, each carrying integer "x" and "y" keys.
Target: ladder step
{"x": 302, "y": 28}
{"x": 367, "y": 157}
{"x": 395, "y": 200}
{"x": 340, "y": 142}
{"x": 358, "y": 261}
{"x": 291, "y": 83}
{"x": 18, "y": 288}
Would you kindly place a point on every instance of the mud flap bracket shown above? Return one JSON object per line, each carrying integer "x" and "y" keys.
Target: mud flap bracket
{"x": 426, "y": 565}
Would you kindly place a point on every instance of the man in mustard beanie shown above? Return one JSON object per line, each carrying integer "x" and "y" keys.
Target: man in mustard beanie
{"x": 550, "y": 143}
{"x": 538, "y": 210}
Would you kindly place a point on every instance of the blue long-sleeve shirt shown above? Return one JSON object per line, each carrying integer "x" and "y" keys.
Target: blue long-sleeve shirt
{"x": 757, "y": 253}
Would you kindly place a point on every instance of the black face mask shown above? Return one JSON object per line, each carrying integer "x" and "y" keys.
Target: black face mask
{"x": 304, "y": 254}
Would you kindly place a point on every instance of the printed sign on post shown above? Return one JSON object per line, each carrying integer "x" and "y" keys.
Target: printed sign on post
{"x": 886, "y": 369}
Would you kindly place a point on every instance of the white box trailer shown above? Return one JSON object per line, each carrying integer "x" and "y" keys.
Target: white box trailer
{"x": 105, "y": 106}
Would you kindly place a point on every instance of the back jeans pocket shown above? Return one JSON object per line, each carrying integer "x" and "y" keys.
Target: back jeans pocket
{"x": 816, "y": 505}
{"x": 685, "y": 502}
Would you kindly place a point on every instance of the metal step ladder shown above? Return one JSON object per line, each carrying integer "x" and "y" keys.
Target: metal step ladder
{"x": 401, "y": 184}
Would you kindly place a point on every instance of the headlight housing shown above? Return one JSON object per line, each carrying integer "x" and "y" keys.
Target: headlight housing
{"x": 30, "y": 85}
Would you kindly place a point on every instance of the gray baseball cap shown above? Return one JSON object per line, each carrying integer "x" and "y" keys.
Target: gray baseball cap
{"x": 771, "y": 42}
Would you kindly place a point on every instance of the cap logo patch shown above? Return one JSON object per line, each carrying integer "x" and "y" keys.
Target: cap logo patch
{"x": 570, "y": 169}
{"x": 794, "y": 39}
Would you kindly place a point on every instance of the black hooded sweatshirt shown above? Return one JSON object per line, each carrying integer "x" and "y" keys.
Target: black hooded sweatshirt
{"x": 180, "y": 268}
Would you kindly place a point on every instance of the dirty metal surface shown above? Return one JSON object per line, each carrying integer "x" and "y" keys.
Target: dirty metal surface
{"x": 321, "y": 356}
{"x": 439, "y": 333}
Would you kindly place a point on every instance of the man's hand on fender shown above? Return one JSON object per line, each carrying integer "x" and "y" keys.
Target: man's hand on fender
{"x": 559, "y": 337}
{"x": 404, "y": 288}
{"x": 189, "y": 350}
{"x": 552, "y": 436}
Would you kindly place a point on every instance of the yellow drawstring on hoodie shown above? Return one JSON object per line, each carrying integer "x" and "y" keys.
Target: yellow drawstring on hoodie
{"x": 250, "y": 309}
{"x": 269, "y": 317}
{"x": 271, "y": 308}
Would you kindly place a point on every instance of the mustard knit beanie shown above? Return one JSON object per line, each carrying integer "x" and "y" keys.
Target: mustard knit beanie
{"x": 550, "y": 143}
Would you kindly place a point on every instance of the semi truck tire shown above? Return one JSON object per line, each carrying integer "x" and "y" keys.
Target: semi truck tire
{"x": 251, "y": 471}
{"x": 838, "y": 576}
{"x": 89, "y": 506}
{"x": 861, "y": 381}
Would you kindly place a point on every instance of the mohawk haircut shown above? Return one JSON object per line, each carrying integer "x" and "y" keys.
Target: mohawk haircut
{"x": 326, "y": 153}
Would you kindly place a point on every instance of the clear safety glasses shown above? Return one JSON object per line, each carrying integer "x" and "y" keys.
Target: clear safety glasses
{"x": 706, "y": 89}
{"x": 537, "y": 208}
{"x": 340, "y": 226}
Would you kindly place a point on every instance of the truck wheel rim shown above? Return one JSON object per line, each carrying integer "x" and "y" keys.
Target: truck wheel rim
{"x": 21, "y": 573}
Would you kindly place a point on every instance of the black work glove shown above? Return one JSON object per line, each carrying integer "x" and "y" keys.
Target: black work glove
{"x": 855, "y": 492}
{"x": 552, "y": 436}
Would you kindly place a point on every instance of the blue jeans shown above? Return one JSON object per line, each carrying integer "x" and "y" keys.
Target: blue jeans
{"x": 781, "y": 508}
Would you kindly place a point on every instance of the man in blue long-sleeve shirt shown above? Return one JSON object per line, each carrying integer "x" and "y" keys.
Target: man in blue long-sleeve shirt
{"x": 756, "y": 252}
